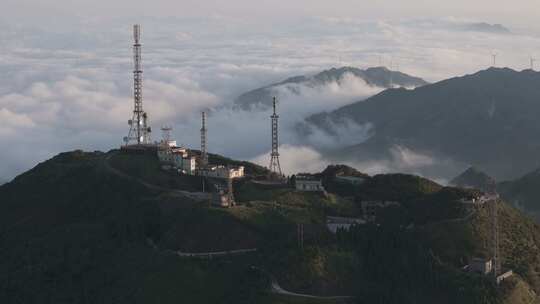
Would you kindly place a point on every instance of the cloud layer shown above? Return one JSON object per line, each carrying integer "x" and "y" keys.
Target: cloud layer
{"x": 70, "y": 87}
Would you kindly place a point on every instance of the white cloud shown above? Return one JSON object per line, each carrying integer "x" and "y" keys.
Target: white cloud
{"x": 295, "y": 159}
{"x": 12, "y": 121}
{"x": 65, "y": 87}
{"x": 303, "y": 159}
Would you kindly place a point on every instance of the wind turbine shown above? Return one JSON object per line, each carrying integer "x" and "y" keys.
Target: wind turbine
{"x": 494, "y": 55}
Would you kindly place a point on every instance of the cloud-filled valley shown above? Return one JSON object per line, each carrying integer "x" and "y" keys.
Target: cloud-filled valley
{"x": 71, "y": 88}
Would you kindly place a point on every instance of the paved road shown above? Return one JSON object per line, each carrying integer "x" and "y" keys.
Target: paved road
{"x": 279, "y": 290}
{"x": 214, "y": 253}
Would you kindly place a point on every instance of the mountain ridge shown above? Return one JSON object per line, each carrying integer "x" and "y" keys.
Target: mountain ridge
{"x": 374, "y": 77}
{"x": 462, "y": 118}
{"x": 89, "y": 235}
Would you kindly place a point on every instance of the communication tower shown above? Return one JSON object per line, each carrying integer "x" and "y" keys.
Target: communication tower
{"x": 275, "y": 167}
{"x": 166, "y": 133}
{"x": 139, "y": 131}
{"x": 204, "y": 152}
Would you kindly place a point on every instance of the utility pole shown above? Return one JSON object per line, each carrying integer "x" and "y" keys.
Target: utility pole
{"x": 300, "y": 235}
{"x": 230, "y": 194}
{"x": 495, "y": 237}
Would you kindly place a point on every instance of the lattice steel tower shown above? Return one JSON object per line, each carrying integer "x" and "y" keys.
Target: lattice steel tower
{"x": 139, "y": 132}
{"x": 275, "y": 167}
{"x": 204, "y": 132}
{"x": 495, "y": 237}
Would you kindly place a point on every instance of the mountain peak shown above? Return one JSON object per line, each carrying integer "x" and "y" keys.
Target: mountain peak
{"x": 375, "y": 77}
{"x": 474, "y": 178}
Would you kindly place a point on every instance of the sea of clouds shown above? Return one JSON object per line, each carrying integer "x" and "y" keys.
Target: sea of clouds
{"x": 65, "y": 88}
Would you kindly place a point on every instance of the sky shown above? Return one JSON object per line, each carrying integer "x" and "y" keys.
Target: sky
{"x": 518, "y": 11}
{"x": 66, "y": 81}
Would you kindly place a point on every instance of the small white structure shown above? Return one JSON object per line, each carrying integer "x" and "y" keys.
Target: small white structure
{"x": 480, "y": 200}
{"x": 481, "y": 266}
{"x": 333, "y": 223}
{"x": 305, "y": 182}
{"x": 504, "y": 276}
{"x": 224, "y": 172}
{"x": 370, "y": 208}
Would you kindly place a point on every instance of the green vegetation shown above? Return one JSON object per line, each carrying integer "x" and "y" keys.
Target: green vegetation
{"x": 147, "y": 168}
{"x": 75, "y": 230}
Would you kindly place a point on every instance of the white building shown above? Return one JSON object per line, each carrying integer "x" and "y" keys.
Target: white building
{"x": 334, "y": 223}
{"x": 481, "y": 266}
{"x": 225, "y": 172}
{"x": 306, "y": 182}
{"x": 177, "y": 157}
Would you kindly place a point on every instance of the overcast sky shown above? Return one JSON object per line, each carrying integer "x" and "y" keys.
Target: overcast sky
{"x": 66, "y": 80}
{"x": 523, "y": 12}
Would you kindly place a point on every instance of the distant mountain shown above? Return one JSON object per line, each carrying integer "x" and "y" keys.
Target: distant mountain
{"x": 524, "y": 193}
{"x": 378, "y": 77}
{"x": 488, "y": 119}
{"x": 487, "y": 28}
{"x": 474, "y": 178}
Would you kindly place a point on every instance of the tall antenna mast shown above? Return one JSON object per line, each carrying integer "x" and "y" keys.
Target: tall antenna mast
{"x": 275, "y": 167}
{"x": 532, "y": 63}
{"x": 204, "y": 152}
{"x": 494, "y": 55}
{"x": 139, "y": 132}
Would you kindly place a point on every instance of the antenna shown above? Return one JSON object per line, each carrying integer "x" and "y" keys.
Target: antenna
{"x": 532, "y": 62}
{"x": 300, "y": 235}
{"x": 139, "y": 132}
{"x": 166, "y": 133}
{"x": 275, "y": 167}
{"x": 204, "y": 152}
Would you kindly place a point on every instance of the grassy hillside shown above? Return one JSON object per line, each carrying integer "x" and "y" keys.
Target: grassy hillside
{"x": 75, "y": 231}
{"x": 486, "y": 119}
